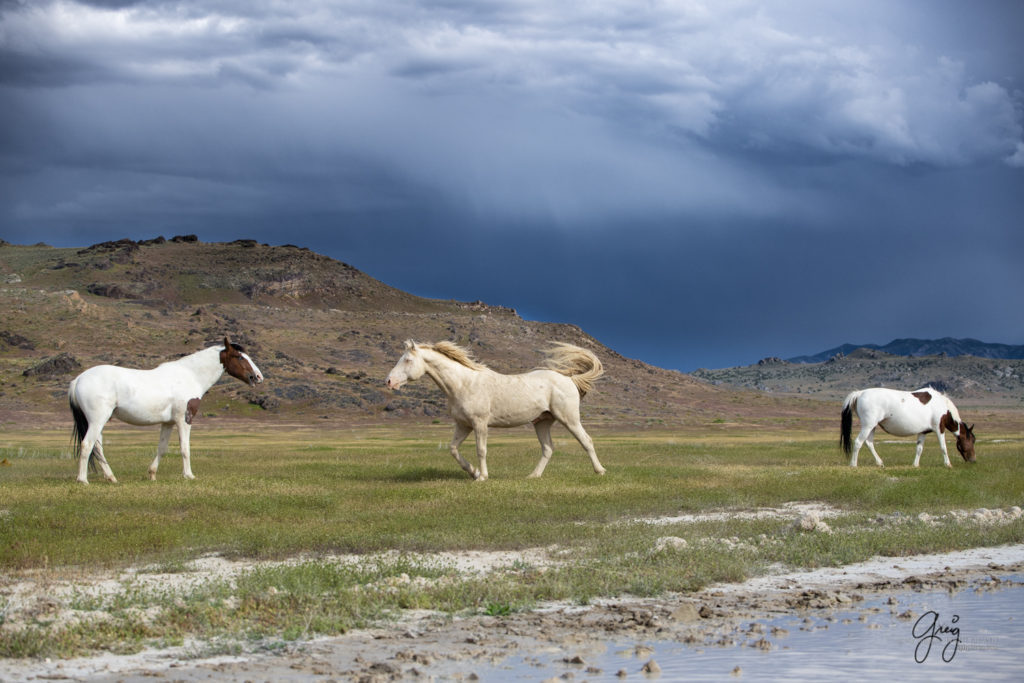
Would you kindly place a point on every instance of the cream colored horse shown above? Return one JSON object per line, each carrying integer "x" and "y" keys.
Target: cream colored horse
{"x": 480, "y": 398}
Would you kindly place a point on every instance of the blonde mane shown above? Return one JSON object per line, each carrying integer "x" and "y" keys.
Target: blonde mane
{"x": 579, "y": 365}
{"x": 456, "y": 353}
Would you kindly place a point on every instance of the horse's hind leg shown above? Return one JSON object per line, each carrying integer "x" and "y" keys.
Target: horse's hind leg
{"x": 543, "y": 429}
{"x": 92, "y": 445}
{"x": 918, "y": 449}
{"x": 871, "y": 447}
{"x": 575, "y": 428}
{"x": 165, "y": 438}
{"x": 461, "y": 432}
{"x": 866, "y": 436}
{"x": 97, "y": 452}
{"x": 83, "y": 457}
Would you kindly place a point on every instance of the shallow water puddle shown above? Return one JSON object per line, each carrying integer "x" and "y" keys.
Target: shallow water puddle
{"x": 910, "y": 636}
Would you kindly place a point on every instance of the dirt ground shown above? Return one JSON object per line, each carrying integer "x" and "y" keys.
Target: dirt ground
{"x": 432, "y": 646}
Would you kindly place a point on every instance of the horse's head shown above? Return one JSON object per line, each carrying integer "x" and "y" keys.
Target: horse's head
{"x": 409, "y": 367}
{"x": 965, "y": 442}
{"x": 238, "y": 364}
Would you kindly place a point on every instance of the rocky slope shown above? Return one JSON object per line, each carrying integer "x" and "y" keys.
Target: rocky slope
{"x": 981, "y": 381}
{"x": 324, "y": 334}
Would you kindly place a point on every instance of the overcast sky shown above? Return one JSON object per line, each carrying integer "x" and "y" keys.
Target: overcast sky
{"x": 697, "y": 184}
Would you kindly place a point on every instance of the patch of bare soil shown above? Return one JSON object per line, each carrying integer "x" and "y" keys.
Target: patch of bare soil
{"x": 441, "y": 647}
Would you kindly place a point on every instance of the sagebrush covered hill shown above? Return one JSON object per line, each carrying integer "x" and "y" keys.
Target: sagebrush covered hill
{"x": 324, "y": 334}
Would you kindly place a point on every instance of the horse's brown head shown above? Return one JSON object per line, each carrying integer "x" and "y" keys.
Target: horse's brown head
{"x": 238, "y": 364}
{"x": 965, "y": 442}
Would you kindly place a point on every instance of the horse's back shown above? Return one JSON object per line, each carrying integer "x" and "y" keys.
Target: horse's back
{"x": 900, "y": 413}
{"x": 133, "y": 396}
{"x": 513, "y": 400}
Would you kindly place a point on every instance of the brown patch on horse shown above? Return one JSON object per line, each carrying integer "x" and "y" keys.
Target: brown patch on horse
{"x": 191, "y": 409}
{"x": 948, "y": 422}
{"x": 922, "y": 396}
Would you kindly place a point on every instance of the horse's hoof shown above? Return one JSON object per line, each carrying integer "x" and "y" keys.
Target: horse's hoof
{"x": 83, "y": 481}
{"x": 190, "y": 476}
{"x": 112, "y": 480}
{"x": 600, "y": 471}
{"x": 152, "y": 476}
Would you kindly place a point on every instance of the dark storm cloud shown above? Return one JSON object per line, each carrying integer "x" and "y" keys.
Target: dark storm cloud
{"x": 683, "y": 179}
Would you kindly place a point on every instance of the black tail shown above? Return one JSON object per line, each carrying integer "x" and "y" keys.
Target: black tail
{"x": 78, "y": 433}
{"x": 845, "y": 429}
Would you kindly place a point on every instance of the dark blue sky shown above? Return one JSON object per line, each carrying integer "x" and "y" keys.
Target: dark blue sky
{"x": 697, "y": 184}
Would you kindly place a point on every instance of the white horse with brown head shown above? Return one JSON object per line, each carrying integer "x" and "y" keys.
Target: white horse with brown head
{"x": 903, "y": 413}
{"x": 167, "y": 395}
{"x": 479, "y": 397}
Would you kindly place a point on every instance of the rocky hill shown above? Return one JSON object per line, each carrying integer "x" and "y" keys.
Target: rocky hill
{"x": 947, "y": 346}
{"x": 324, "y": 335}
{"x": 980, "y": 381}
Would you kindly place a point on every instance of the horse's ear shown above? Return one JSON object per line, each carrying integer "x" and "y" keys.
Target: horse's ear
{"x": 409, "y": 344}
{"x": 227, "y": 343}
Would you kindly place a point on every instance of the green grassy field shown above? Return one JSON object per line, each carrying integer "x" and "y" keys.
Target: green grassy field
{"x": 278, "y": 493}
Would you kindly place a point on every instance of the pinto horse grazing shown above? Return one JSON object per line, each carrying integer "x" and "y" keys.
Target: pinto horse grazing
{"x": 167, "y": 395}
{"x": 904, "y": 413}
{"x": 480, "y": 397}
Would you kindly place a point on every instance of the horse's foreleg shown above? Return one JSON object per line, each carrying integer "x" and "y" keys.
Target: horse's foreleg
{"x": 165, "y": 438}
{"x": 576, "y": 429}
{"x": 184, "y": 430}
{"x": 942, "y": 443}
{"x": 461, "y": 432}
{"x": 481, "y": 449}
{"x": 543, "y": 429}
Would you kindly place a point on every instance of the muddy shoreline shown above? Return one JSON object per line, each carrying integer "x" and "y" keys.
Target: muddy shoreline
{"x": 432, "y": 646}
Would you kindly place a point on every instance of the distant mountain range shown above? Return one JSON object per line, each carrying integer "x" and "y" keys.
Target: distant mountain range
{"x": 923, "y": 347}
